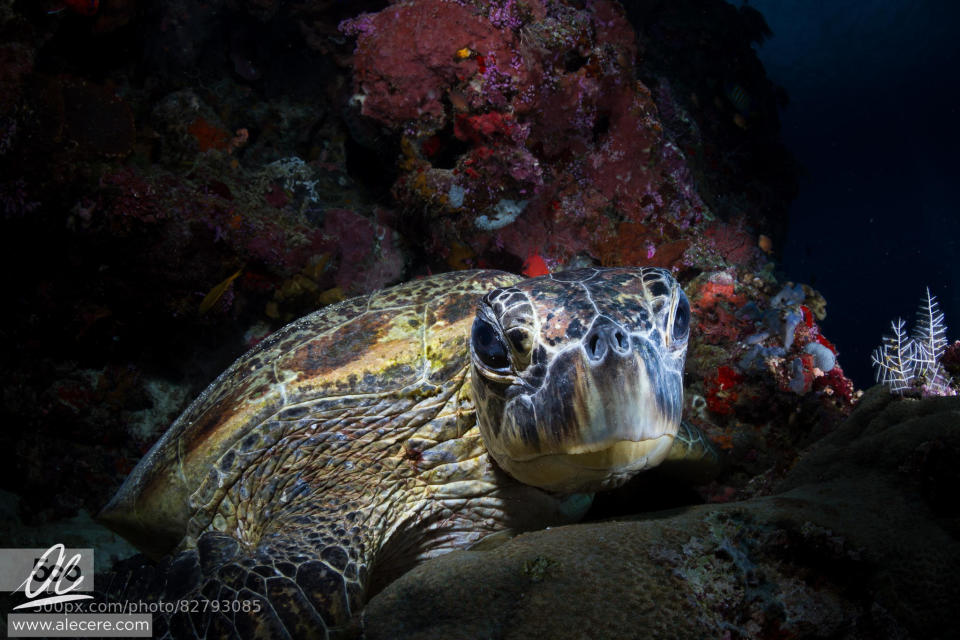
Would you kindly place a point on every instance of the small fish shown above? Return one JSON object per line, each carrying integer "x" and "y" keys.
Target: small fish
{"x": 739, "y": 98}
{"x": 459, "y": 101}
{"x": 765, "y": 244}
{"x": 535, "y": 266}
{"x": 217, "y": 292}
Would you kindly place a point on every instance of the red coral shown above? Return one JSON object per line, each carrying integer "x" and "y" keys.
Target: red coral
{"x": 535, "y": 266}
{"x": 484, "y": 127}
{"x": 826, "y": 343}
{"x": 735, "y": 245}
{"x": 721, "y": 396}
{"x": 727, "y": 377}
{"x": 835, "y": 383}
{"x": 809, "y": 331}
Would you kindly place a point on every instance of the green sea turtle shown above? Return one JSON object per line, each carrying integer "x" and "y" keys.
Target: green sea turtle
{"x": 376, "y": 433}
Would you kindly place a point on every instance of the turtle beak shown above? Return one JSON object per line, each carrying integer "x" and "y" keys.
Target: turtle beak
{"x": 608, "y": 408}
{"x": 624, "y": 390}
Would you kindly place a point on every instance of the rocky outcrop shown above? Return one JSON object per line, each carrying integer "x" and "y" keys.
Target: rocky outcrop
{"x": 859, "y": 540}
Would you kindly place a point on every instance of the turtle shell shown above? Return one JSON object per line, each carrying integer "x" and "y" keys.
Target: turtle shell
{"x": 381, "y": 355}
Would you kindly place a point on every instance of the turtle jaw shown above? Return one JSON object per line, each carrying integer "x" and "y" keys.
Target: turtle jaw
{"x": 591, "y": 471}
{"x": 592, "y": 424}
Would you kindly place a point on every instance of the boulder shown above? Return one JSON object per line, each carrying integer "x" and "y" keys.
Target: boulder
{"x": 860, "y": 540}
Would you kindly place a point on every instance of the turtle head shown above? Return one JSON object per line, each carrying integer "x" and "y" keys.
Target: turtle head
{"x": 577, "y": 376}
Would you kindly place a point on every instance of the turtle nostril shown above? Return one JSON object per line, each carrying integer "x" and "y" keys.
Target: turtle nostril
{"x": 606, "y": 337}
{"x": 621, "y": 340}
{"x": 592, "y": 345}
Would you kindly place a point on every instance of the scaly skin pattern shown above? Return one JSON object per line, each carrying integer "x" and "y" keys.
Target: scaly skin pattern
{"x": 345, "y": 448}
{"x": 334, "y": 456}
{"x": 595, "y": 359}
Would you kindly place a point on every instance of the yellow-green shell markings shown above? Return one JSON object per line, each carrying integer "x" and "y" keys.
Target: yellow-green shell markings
{"x": 370, "y": 435}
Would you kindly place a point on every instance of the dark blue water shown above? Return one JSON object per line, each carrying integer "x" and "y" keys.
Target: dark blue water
{"x": 874, "y": 118}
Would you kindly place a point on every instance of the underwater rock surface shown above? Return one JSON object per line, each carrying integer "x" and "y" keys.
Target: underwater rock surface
{"x": 859, "y": 540}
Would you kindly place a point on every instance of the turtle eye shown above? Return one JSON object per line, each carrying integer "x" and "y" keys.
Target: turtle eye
{"x": 681, "y": 317}
{"x": 488, "y": 346}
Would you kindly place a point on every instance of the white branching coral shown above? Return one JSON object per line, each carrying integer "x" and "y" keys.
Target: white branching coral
{"x": 893, "y": 360}
{"x": 907, "y": 362}
{"x": 930, "y": 336}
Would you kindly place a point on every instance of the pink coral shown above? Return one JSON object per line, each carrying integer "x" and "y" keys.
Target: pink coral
{"x": 553, "y": 122}
{"x": 406, "y": 58}
{"x": 735, "y": 245}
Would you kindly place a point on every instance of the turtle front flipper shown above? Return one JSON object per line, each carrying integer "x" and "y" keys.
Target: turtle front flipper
{"x": 315, "y": 565}
{"x": 307, "y": 584}
{"x": 692, "y": 456}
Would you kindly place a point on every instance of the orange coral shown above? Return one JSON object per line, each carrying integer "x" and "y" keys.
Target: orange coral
{"x": 713, "y": 292}
{"x": 209, "y": 136}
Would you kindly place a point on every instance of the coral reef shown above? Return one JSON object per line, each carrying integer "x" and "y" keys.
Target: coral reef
{"x": 161, "y": 221}
{"x": 175, "y": 196}
{"x": 762, "y": 380}
{"x": 522, "y": 130}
